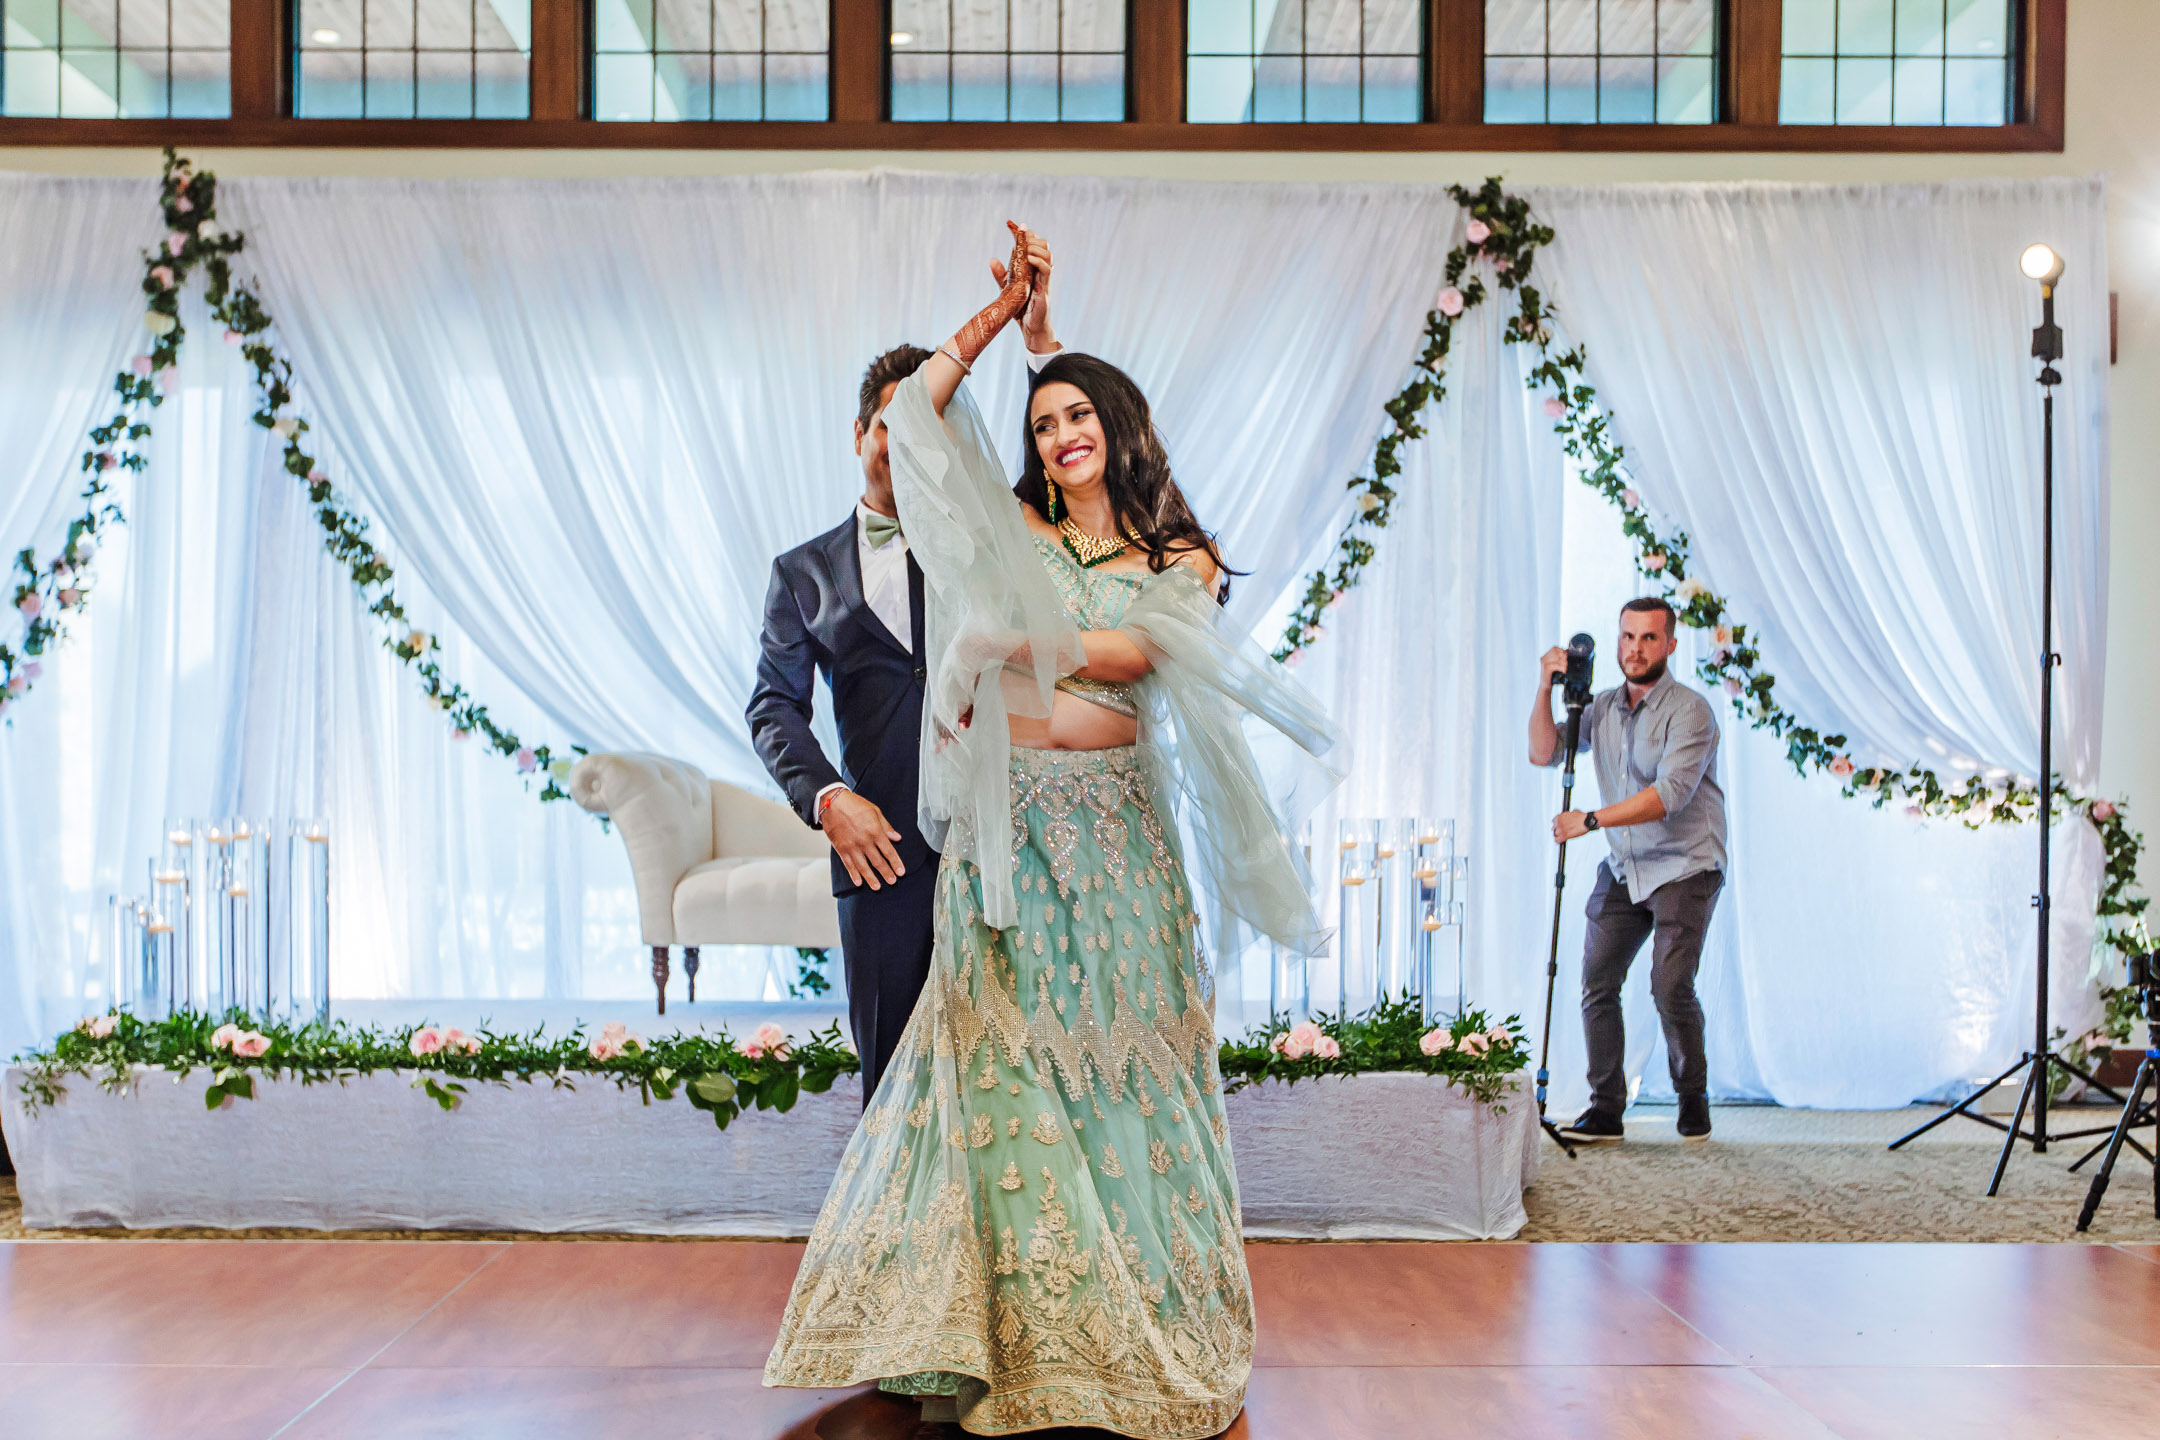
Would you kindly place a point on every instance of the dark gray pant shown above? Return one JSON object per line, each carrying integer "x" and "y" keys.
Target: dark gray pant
{"x": 1676, "y": 914}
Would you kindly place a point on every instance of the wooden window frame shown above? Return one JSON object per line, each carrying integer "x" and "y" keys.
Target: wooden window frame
{"x": 1455, "y": 87}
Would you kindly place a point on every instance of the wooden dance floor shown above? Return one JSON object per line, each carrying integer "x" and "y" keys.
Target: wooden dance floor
{"x": 141, "y": 1340}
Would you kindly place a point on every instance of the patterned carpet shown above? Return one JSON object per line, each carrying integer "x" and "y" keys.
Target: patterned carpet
{"x": 1768, "y": 1175}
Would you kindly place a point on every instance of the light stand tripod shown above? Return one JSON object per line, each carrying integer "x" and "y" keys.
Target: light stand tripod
{"x": 2041, "y": 1062}
{"x": 2137, "y": 1110}
{"x": 1576, "y": 695}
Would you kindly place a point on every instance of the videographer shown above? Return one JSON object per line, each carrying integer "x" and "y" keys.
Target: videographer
{"x": 1654, "y": 741}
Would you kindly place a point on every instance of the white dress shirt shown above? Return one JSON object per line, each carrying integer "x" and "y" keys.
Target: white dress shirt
{"x": 885, "y": 578}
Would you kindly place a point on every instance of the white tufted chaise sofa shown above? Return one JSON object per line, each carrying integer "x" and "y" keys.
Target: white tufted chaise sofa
{"x": 715, "y": 864}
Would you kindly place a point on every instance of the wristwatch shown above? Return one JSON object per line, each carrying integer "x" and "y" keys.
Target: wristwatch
{"x": 1589, "y": 820}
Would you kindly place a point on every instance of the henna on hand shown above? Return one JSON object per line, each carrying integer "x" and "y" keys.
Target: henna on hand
{"x": 971, "y": 339}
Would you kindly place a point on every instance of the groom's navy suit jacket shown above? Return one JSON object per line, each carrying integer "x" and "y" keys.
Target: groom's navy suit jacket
{"x": 818, "y": 623}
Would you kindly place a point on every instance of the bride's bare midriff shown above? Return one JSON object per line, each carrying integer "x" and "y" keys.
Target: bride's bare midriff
{"x": 1074, "y": 724}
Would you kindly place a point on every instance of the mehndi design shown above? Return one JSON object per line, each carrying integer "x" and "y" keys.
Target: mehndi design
{"x": 971, "y": 339}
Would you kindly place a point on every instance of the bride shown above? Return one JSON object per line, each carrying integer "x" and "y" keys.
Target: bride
{"x": 1036, "y": 1222}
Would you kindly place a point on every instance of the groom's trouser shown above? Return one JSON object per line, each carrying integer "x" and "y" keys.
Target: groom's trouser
{"x": 885, "y": 944}
{"x": 1673, "y": 917}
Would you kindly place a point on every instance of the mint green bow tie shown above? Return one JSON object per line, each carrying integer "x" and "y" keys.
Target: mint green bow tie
{"x": 879, "y": 529}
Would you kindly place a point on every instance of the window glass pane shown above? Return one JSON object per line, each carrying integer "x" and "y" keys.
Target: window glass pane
{"x": 1311, "y": 61}
{"x": 717, "y": 59}
{"x": 1807, "y": 92}
{"x": 1009, "y": 59}
{"x": 1585, "y": 62}
{"x": 1863, "y": 27}
{"x": 1873, "y": 62}
{"x": 1863, "y": 92}
{"x": 1514, "y": 92}
{"x": 402, "y": 59}
{"x": 115, "y": 59}
{"x": 1919, "y": 27}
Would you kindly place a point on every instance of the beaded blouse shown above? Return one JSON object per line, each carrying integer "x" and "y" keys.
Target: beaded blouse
{"x": 1096, "y": 599}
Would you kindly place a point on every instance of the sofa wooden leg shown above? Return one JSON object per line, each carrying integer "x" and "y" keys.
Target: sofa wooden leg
{"x": 689, "y": 969}
{"x": 660, "y": 974}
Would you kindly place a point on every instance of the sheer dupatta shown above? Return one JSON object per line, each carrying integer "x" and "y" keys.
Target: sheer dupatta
{"x": 999, "y": 638}
{"x": 996, "y": 636}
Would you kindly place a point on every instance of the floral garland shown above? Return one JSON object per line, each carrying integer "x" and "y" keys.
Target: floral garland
{"x": 714, "y": 1073}
{"x": 51, "y": 590}
{"x": 769, "y": 1071}
{"x": 1502, "y": 232}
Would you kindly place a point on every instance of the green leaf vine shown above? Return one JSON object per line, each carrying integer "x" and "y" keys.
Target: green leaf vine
{"x": 49, "y": 591}
{"x": 1502, "y": 235}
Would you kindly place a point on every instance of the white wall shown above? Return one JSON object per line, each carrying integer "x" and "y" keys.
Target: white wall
{"x": 2113, "y": 129}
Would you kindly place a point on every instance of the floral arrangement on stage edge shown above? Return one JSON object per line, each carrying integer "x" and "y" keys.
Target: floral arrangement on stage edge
{"x": 769, "y": 1071}
{"x": 1470, "y": 1051}
{"x": 1502, "y": 233}
{"x": 48, "y": 591}
{"x": 714, "y": 1073}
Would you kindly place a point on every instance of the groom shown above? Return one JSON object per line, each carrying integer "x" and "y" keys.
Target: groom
{"x": 848, "y": 606}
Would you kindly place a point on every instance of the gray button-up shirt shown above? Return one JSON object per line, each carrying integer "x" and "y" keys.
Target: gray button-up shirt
{"x": 1667, "y": 743}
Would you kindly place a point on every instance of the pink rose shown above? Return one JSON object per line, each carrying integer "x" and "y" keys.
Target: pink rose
{"x": 1295, "y": 659}
{"x": 1732, "y": 685}
{"x": 751, "y": 1050}
{"x": 1334, "y": 598}
{"x": 175, "y": 243}
{"x": 101, "y": 1026}
{"x": 454, "y": 1038}
{"x": 770, "y": 1035}
{"x": 1722, "y": 635}
{"x": 1914, "y": 811}
{"x": 223, "y": 1037}
{"x": 1303, "y": 1039}
{"x": 2103, "y": 810}
{"x": 1500, "y": 1035}
{"x": 1477, "y": 232}
{"x": 163, "y": 275}
{"x": 1842, "y": 766}
{"x": 69, "y": 597}
{"x": 603, "y": 1048}
{"x": 1629, "y": 498}
{"x": 1432, "y": 1042}
{"x": 233, "y": 337}
{"x": 1326, "y": 1048}
{"x": 184, "y": 205}
{"x": 426, "y": 1040}
{"x": 250, "y": 1044}
{"x": 30, "y": 605}
{"x": 461, "y": 734}
{"x": 17, "y": 683}
{"x": 141, "y": 366}
{"x": 1313, "y": 634}
{"x": 1555, "y": 407}
{"x": 106, "y": 460}
{"x": 167, "y": 380}
{"x": 1451, "y": 301}
{"x": 527, "y": 762}
{"x": 1503, "y": 264}
{"x": 1473, "y": 1043}
{"x": 1654, "y": 561}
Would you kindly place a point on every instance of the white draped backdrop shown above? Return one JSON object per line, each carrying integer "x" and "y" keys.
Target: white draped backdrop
{"x": 585, "y": 415}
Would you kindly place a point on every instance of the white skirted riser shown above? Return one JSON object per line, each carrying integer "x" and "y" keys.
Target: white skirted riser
{"x": 1368, "y": 1156}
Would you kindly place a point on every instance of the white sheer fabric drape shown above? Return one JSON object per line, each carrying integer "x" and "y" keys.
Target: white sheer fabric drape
{"x": 584, "y": 417}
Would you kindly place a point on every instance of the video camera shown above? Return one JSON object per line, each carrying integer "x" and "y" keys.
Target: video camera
{"x": 1574, "y": 682}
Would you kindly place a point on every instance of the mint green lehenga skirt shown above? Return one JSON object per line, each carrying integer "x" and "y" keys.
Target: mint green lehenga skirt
{"x": 1037, "y": 1214}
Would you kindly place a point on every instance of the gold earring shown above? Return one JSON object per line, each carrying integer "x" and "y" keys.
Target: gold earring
{"x": 1052, "y": 486}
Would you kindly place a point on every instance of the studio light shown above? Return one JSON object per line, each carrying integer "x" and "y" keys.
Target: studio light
{"x": 2041, "y": 264}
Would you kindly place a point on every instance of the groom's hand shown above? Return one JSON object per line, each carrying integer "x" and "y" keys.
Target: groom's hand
{"x": 863, "y": 839}
{"x": 1035, "y": 319}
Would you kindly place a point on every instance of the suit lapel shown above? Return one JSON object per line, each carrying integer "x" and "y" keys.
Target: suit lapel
{"x": 842, "y": 554}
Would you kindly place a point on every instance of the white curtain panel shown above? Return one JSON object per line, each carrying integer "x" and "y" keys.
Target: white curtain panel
{"x": 584, "y": 416}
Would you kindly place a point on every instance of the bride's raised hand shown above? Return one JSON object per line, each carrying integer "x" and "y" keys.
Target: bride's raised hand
{"x": 1035, "y": 319}
{"x": 942, "y": 372}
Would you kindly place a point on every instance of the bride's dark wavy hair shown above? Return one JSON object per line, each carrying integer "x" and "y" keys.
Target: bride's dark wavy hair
{"x": 1143, "y": 495}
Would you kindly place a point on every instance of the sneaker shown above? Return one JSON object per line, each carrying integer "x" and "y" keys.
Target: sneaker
{"x": 1694, "y": 1117}
{"x": 1595, "y": 1124}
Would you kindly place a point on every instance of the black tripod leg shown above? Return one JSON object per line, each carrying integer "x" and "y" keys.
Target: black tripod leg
{"x": 2114, "y": 1148}
{"x": 2034, "y": 1078}
{"x": 1963, "y": 1107}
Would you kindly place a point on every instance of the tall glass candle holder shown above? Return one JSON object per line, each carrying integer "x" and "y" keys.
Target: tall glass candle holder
{"x": 1432, "y": 852}
{"x": 1289, "y": 973}
{"x": 1357, "y": 933}
{"x": 309, "y": 926}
